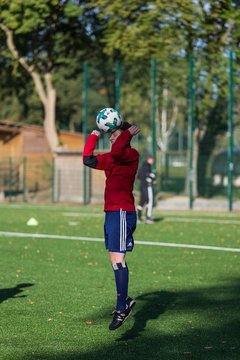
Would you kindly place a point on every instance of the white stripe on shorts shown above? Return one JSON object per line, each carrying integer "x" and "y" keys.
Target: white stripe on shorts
{"x": 123, "y": 230}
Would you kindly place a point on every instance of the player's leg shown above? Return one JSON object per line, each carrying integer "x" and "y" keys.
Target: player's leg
{"x": 149, "y": 205}
{"x": 141, "y": 203}
{"x": 118, "y": 239}
{"x": 121, "y": 278}
{"x": 139, "y": 212}
{"x": 124, "y": 303}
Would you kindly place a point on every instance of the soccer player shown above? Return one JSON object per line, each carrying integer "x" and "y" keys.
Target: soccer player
{"x": 120, "y": 166}
{"x": 146, "y": 177}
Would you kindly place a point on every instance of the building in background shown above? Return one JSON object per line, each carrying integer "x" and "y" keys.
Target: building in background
{"x": 27, "y": 164}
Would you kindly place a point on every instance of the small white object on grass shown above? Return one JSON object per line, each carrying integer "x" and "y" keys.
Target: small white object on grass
{"x": 32, "y": 222}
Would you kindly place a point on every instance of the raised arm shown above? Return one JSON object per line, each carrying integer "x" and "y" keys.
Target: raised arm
{"x": 99, "y": 161}
{"x": 121, "y": 149}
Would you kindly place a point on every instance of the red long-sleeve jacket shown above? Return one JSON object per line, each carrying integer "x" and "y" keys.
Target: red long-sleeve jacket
{"x": 120, "y": 166}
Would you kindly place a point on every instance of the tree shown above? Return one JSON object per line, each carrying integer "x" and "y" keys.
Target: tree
{"x": 218, "y": 21}
{"x": 168, "y": 29}
{"x": 41, "y": 36}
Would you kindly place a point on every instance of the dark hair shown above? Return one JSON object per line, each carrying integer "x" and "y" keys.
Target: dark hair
{"x": 125, "y": 125}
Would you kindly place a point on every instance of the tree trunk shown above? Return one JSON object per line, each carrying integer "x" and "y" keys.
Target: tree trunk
{"x": 45, "y": 91}
{"x": 206, "y": 147}
{"x": 198, "y": 134}
{"x": 50, "y": 114}
{"x": 207, "y": 142}
{"x": 195, "y": 160}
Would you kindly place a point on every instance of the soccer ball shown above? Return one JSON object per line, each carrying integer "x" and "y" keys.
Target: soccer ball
{"x": 108, "y": 119}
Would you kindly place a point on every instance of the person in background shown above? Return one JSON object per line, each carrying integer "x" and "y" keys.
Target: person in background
{"x": 147, "y": 178}
{"x": 120, "y": 166}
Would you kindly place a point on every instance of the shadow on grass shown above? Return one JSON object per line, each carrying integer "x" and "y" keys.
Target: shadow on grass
{"x": 157, "y": 219}
{"x": 12, "y": 293}
{"x": 154, "y": 304}
{"x": 201, "y": 324}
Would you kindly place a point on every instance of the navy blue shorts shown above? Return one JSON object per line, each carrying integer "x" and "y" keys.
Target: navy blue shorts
{"x": 118, "y": 230}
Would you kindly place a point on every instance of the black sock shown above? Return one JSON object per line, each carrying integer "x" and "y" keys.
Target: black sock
{"x": 121, "y": 279}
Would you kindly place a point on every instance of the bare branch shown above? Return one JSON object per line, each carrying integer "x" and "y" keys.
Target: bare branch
{"x": 173, "y": 120}
{"x": 29, "y": 68}
{"x": 11, "y": 46}
{"x": 226, "y": 37}
{"x": 48, "y": 82}
{"x": 39, "y": 87}
{"x": 166, "y": 133}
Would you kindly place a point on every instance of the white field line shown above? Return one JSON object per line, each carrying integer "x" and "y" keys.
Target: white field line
{"x": 73, "y": 214}
{"x": 164, "y": 213}
{"x": 166, "y": 218}
{"x": 180, "y": 213}
{"x": 209, "y": 221}
{"x": 44, "y": 207}
{"x": 82, "y": 238}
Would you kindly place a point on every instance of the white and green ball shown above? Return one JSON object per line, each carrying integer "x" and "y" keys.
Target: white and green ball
{"x": 108, "y": 119}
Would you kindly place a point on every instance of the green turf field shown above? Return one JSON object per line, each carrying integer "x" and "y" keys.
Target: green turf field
{"x": 57, "y": 293}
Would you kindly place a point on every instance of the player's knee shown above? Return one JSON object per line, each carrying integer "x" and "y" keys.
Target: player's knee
{"x": 116, "y": 257}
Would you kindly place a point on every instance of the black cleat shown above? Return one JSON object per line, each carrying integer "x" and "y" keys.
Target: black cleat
{"x": 130, "y": 302}
{"x": 119, "y": 316}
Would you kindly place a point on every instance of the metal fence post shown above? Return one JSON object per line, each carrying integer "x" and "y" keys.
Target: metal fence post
{"x": 117, "y": 84}
{"x": 24, "y": 179}
{"x": 53, "y": 180}
{"x": 191, "y": 128}
{"x": 153, "y": 98}
{"x": 84, "y": 122}
{"x": 230, "y": 132}
{"x": 10, "y": 177}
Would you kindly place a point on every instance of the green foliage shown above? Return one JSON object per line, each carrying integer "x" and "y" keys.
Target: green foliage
{"x": 72, "y": 10}
{"x": 47, "y": 33}
{"x": 29, "y": 15}
{"x": 142, "y": 29}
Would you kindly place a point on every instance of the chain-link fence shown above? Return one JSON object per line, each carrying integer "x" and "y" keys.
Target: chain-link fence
{"x": 187, "y": 111}
{"x": 26, "y": 179}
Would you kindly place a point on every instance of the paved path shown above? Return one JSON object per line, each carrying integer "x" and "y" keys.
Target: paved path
{"x": 182, "y": 203}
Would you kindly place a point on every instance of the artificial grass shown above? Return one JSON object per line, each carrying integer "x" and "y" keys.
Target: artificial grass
{"x": 57, "y": 295}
